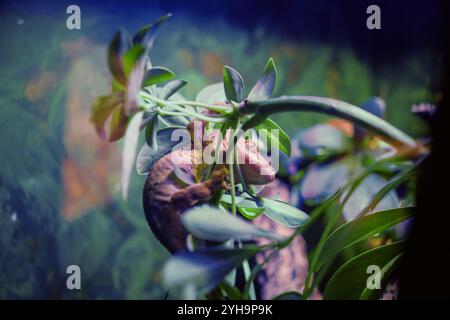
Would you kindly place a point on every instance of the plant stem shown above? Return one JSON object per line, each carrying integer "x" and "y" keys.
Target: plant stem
{"x": 245, "y": 187}
{"x": 329, "y": 106}
{"x": 170, "y": 113}
{"x": 216, "y": 151}
{"x": 256, "y": 269}
{"x": 216, "y": 108}
{"x": 164, "y": 121}
{"x": 197, "y": 115}
{"x": 231, "y": 149}
{"x": 161, "y": 102}
{"x": 155, "y": 133}
{"x": 232, "y": 188}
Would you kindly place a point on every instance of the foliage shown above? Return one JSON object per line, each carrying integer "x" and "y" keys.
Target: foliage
{"x": 34, "y": 132}
{"x": 348, "y": 167}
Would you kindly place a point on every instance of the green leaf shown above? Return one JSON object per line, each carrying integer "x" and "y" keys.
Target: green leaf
{"x": 390, "y": 185}
{"x": 227, "y": 199}
{"x": 116, "y": 86}
{"x": 359, "y": 230}
{"x": 274, "y": 134}
{"x": 246, "y": 206}
{"x": 151, "y": 131}
{"x": 171, "y": 87}
{"x": 254, "y": 121}
{"x": 157, "y": 75}
{"x": 350, "y": 280}
{"x": 210, "y": 223}
{"x": 213, "y": 93}
{"x": 232, "y": 292}
{"x": 204, "y": 269}
{"x": 233, "y": 85}
{"x": 364, "y": 193}
{"x": 129, "y": 150}
{"x": 250, "y": 213}
{"x": 284, "y": 213}
{"x": 265, "y": 84}
{"x": 131, "y": 58}
{"x": 118, "y": 124}
{"x": 147, "y": 156}
{"x": 147, "y": 34}
{"x": 177, "y": 121}
{"x": 289, "y": 295}
{"x": 386, "y": 271}
{"x": 120, "y": 44}
{"x": 250, "y": 292}
{"x": 133, "y": 87}
{"x": 102, "y": 108}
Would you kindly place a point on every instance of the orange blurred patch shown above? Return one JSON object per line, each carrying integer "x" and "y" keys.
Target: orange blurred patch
{"x": 90, "y": 161}
{"x": 78, "y": 194}
{"x": 379, "y": 241}
{"x": 343, "y": 125}
{"x": 75, "y": 49}
{"x": 212, "y": 64}
{"x": 37, "y": 87}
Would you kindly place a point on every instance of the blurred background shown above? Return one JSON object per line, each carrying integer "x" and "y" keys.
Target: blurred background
{"x": 59, "y": 183}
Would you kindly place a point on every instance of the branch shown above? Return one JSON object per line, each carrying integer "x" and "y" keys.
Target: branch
{"x": 334, "y": 107}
